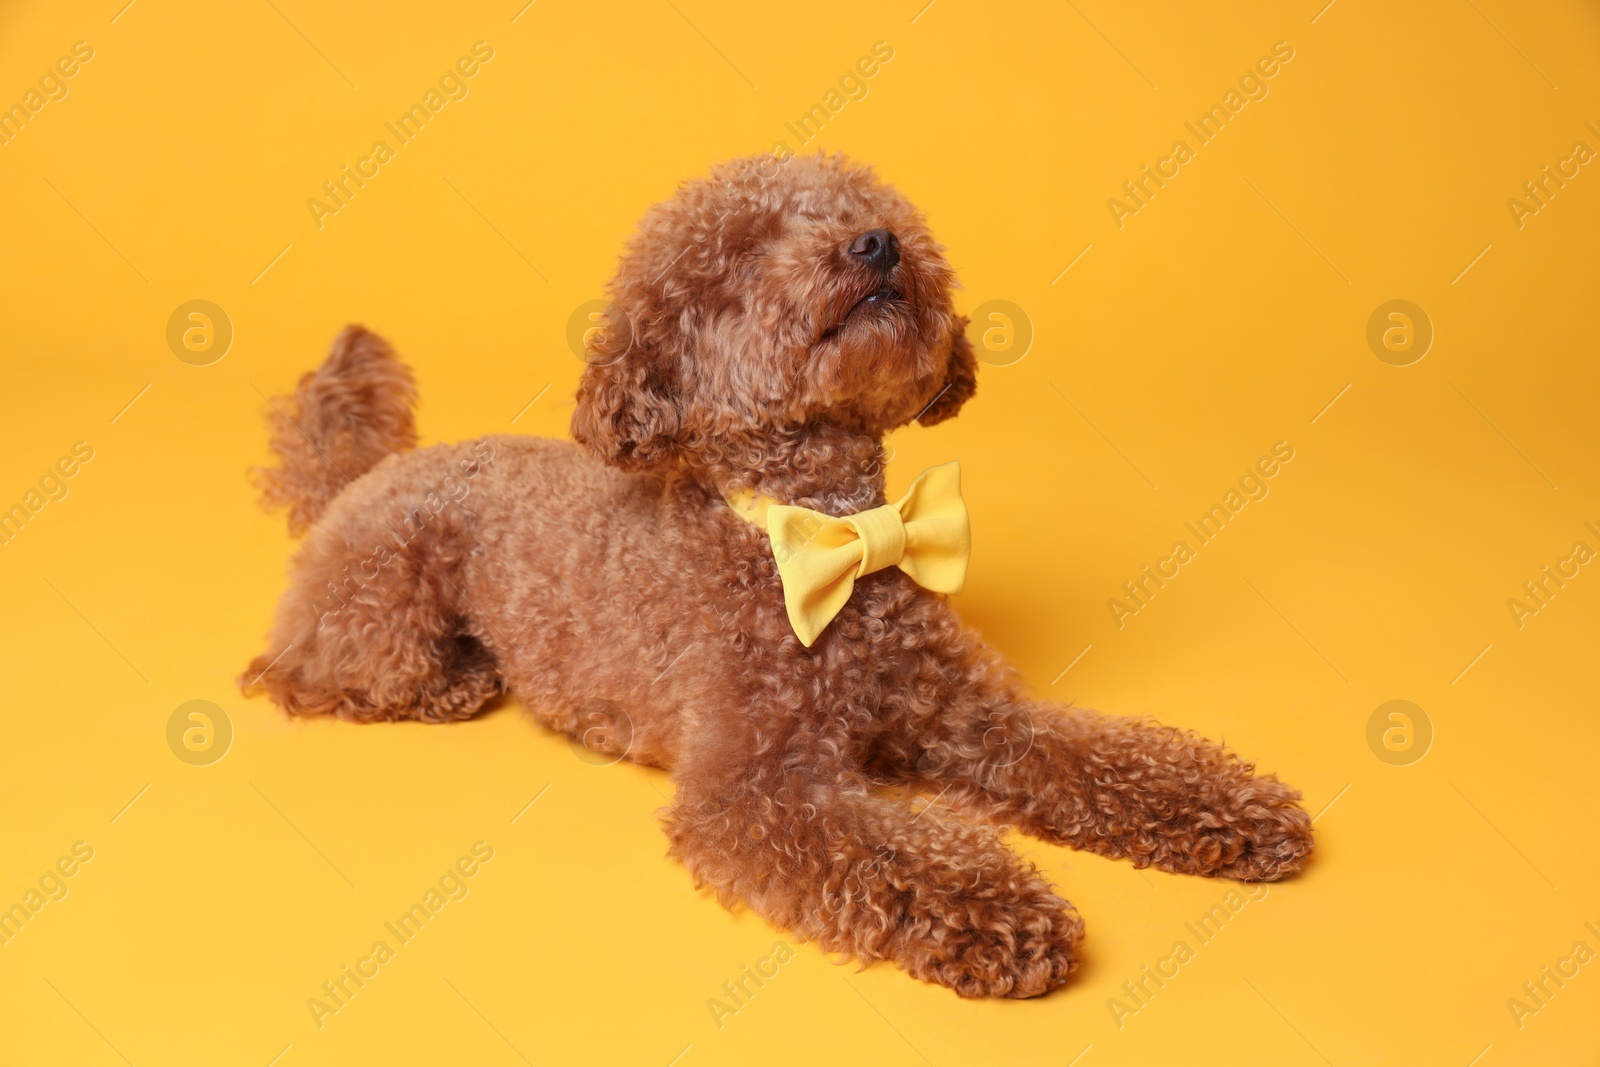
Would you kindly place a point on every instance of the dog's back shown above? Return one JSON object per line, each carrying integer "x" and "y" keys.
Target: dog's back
{"x": 432, "y": 579}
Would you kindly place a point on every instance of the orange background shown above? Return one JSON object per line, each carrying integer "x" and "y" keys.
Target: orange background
{"x": 1229, "y": 313}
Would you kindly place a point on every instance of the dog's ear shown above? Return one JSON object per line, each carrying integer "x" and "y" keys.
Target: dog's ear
{"x": 627, "y": 413}
{"x": 960, "y": 378}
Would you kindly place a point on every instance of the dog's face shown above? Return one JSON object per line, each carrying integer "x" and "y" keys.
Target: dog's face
{"x": 771, "y": 295}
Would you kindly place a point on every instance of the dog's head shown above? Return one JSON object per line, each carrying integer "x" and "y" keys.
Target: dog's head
{"x": 772, "y": 295}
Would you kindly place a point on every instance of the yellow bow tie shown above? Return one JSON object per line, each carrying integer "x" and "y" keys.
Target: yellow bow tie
{"x": 925, "y": 533}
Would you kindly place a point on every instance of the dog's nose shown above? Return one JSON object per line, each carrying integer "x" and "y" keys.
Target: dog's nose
{"x": 877, "y": 247}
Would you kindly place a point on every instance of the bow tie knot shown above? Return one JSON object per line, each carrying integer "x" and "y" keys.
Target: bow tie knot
{"x": 925, "y": 533}
{"x": 882, "y": 533}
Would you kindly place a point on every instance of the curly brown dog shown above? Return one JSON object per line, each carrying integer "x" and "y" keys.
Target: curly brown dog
{"x": 770, "y": 325}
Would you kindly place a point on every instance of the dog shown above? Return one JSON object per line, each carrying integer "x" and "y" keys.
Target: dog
{"x": 768, "y": 325}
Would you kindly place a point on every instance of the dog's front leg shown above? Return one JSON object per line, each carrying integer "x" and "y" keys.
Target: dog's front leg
{"x": 803, "y": 841}
{"x": 1117, "y": 786}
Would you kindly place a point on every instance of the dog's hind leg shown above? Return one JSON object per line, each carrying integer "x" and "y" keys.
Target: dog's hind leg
{"x": 376, "y": 624}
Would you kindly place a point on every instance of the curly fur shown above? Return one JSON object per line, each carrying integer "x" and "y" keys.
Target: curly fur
{"x": 611, "y": 589}
{"x": 342, "y": 419}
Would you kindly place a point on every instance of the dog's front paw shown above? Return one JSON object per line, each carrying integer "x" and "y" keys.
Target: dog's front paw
{"x": 1266, "y": 837}
{"x": 981, "y": 949}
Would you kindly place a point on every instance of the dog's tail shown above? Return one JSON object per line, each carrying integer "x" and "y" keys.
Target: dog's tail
{"x": 341, "y": 420}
